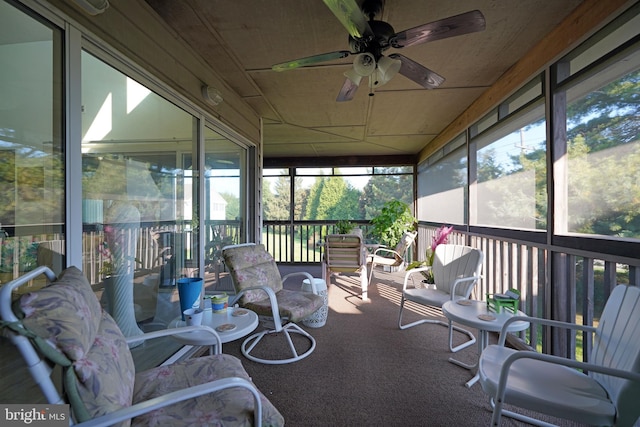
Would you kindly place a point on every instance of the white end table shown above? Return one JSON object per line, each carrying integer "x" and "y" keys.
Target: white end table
{"x": 474, "y": 314}
{"x": 235, "y": 323}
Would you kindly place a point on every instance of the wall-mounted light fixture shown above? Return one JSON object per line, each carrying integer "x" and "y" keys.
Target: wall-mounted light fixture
{"x": 93, "y": 7}
{"x": 211, "y": 95}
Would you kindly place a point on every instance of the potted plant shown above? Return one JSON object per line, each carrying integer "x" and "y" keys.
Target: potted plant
{"x": 441, "y": 236}
{"x": 344, "y": 226}
{"x": 394, "y": 219}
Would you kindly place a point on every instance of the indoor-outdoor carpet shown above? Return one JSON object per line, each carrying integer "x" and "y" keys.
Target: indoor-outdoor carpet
{"x": 367, "y": 372}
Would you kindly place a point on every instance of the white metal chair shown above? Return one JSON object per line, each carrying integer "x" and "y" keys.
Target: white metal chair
{"x": 456, "y": 270}
{"x": 63, "y": 325}
{"x": 607, "y": 394}
{"x": 259, "y": 287}
{"x": 346, "y": 254}
{"x": 392, "y": 257}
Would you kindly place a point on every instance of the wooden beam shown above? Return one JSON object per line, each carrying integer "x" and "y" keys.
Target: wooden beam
{"x": 343, "y": 161}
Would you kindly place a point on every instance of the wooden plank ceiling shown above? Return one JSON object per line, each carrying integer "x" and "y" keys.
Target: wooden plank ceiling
{"x": 242, "y": 39}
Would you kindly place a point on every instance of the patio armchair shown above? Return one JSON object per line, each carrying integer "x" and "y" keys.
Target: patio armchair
{"x": 456, "y": 270}
{"x": 603, "y": 390}
{"x": 346, "y": 254}
{"x": 63, "y": 325}
{"x": 395, "y": 257}
{"x": 259, "y": 287}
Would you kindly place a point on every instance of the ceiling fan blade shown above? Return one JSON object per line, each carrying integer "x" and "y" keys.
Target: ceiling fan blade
{"x": 309, "y": 60}
{"x": 413, "y": 71}
{"x": 465, "y": 23}
{"x": 349, "y": 14}
{"x": 348, "y": 91}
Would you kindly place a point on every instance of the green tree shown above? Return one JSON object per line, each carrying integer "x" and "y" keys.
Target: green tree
{"x": 608, "y": 116}
{"x": 332, "y": 198}
{"x": 300, "y": 199}
{"x": 276, "y": 202}
{"x": 488, "y": 168}
{"x": 233, "y": 206}
{"x": 604, "y": 152}
{"x": 383, "y": 188}
{"x": 313, "y": 199}
{"x": 267, "y": 199}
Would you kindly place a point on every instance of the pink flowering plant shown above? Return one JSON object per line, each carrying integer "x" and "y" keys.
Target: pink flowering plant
{"x": 441, "y": 237}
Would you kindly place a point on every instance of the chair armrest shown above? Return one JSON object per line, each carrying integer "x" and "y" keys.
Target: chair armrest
{"x": 463, "y": 280}
{"x": 6, "y": 289}
{"x": 175, "y": 331}
{"x": 387, "y": 250}
{"x": 540, "y": 321}
{"x": 303, "y": 273}
{"x": 506, "y": 366}
{"x": 273, "y": 301}
{"x": 178, "y": 396}
{"x": 408, "y": 273}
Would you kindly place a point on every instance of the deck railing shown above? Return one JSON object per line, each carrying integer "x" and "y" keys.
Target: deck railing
{"x": 300, "y": 242}
{"x": 554, "y": 282}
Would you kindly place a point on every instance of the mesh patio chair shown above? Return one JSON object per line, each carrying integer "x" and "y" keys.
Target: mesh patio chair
{"x": 346, "y": 254}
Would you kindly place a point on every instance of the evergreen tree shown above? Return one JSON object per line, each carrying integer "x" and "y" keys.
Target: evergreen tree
{"x": 382, "y": 188}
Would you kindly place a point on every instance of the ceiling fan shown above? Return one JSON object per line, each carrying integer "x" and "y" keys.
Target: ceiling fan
{"x": 369, "y": 38}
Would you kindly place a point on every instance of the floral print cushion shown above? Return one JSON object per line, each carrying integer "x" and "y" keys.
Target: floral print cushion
{"x": 68, "y": 315}
{"x": 293, "y": 305}
{"x": 230, "y": 407}
{"x": 107, "y": 374}
{"x": 252, "y": 265}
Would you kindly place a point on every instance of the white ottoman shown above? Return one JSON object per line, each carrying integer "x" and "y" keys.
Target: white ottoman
{"x": 319, "y": 318}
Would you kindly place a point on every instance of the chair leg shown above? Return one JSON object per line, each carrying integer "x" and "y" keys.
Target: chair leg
{"x": 498, "y": 412}
{"x": 417, "y": 322}
{"x": 364, "y": 283}
{"x": 290, "y": 328}
{"x": 471, "y": 341}
{"x": 373, "y": 264}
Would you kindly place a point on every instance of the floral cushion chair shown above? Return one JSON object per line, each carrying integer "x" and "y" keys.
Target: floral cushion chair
{"x": 64, "y": 324}
{"x": 259, "y": 287}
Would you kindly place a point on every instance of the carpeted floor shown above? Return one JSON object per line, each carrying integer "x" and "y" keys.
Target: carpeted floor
{"x": 367, "y": 372}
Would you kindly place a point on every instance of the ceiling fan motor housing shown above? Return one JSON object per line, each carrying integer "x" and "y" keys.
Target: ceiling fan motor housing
{"x": 382, "y": 31}
{"x": 369, "y": 38}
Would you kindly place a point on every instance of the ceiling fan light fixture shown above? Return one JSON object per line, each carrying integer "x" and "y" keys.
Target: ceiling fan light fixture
{"x": 364, "y": 64}
{"x": 387, "y": 68}
{"x": 352, "y": 75}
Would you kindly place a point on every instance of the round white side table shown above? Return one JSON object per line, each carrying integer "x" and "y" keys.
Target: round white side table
{"x": 319, "y": 318}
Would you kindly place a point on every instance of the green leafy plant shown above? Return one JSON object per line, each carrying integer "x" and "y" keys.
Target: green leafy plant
{"x": 344, "y": 226}
{"x": 394, "y": 219}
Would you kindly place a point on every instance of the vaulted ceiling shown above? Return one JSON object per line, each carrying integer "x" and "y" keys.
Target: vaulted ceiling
{"x": 242, "y": 39}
